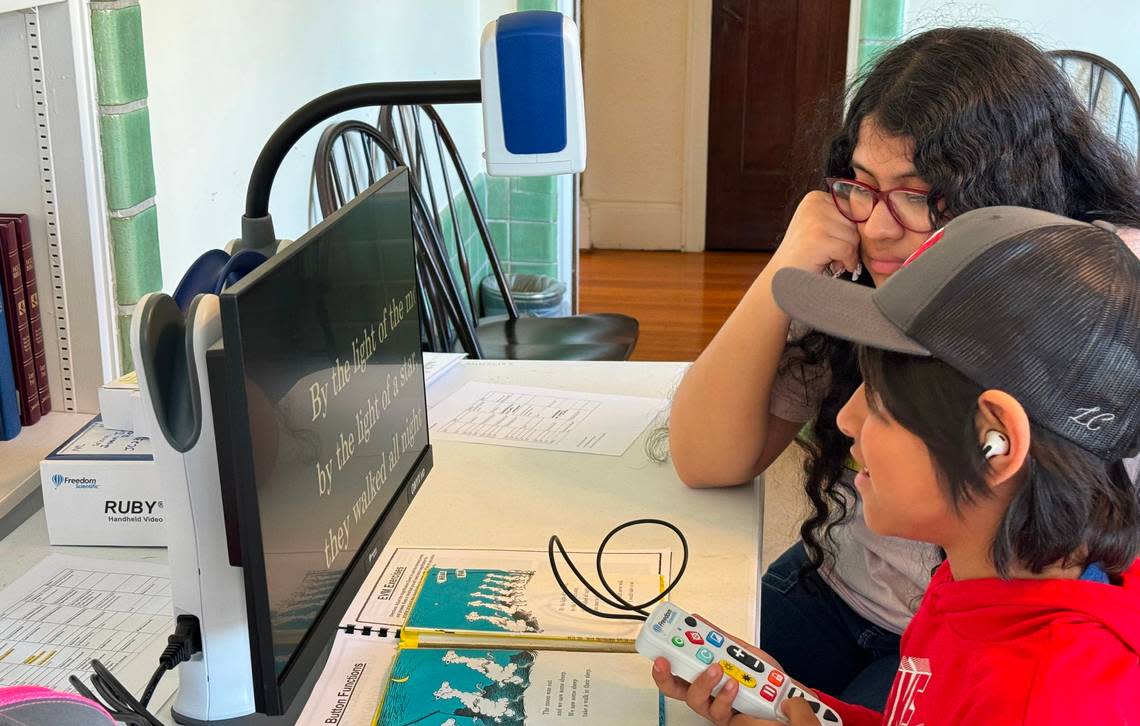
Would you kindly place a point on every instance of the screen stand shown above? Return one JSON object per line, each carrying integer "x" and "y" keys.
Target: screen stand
{"x": 169, "y": 352}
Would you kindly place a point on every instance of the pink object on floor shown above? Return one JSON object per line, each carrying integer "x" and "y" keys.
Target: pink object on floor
{"x": 36, "y": 706}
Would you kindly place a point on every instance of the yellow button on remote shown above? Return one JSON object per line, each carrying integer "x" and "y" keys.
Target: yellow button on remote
{"x": 733, "y": 672}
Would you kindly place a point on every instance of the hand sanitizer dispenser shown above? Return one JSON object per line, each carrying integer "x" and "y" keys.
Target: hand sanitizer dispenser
{"x": 533, "y": 115}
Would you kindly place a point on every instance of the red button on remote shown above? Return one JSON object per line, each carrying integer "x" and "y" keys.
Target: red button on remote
{"x": 768, "y": 692}
{"x": 776, "y": 678}
{"x": 694, "y": 637}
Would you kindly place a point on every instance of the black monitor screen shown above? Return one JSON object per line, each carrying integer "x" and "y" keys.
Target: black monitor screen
{"x": 326, "y": 390}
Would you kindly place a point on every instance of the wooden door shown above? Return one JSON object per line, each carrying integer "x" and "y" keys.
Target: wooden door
{"x": 777, "y": 72}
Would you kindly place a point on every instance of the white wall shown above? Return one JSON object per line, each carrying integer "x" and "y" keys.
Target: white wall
{"x": 223, "y": 74}
{"x": 491, "y": 9}
{"x": 634, "y": 64}
{"x": 1109, "y": 28}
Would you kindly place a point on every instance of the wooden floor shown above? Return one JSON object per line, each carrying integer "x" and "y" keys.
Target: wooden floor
{"x": 681, "y": 299}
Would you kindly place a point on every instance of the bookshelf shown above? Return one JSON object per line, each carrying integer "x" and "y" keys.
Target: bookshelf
{"x": 19, "y": 476}
{"x": 52, "y": 171}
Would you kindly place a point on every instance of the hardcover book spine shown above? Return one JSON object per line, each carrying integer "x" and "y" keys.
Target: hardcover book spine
{"x": 35, "y": 324}
{"x": 9, "y": 394}
{"x": 20, "y": 336}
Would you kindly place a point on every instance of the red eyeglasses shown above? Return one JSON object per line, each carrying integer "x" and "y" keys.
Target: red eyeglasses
{"x": 856, "y": 200}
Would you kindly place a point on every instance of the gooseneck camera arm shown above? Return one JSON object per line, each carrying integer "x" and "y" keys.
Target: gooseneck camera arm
{"x": 257, "y": 224}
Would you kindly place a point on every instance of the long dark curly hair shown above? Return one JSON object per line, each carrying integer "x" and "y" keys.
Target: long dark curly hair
{"x": 994, "y": 122}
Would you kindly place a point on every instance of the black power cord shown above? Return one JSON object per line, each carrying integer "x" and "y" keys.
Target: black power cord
{"x": 180, "y": 646}
{"x": 631, "y": 612}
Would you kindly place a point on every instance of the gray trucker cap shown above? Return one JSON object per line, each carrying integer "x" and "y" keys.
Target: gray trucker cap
{"x": 1032, "y": 303}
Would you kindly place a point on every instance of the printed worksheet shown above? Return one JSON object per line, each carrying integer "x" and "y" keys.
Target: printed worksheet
{"x": 437, "y": 364}
{"x": 543, "y": 418}
{"x": 65, "y": 611}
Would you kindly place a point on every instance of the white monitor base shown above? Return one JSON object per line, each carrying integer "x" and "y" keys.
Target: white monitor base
{"x": 216, "y": 685}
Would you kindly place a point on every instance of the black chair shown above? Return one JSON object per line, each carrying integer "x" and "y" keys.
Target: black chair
{"x": 1107, "y": 93}
{"x": 352, "y": 154}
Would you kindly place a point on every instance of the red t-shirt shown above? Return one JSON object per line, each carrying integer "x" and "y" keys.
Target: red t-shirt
{"x": 1033, "y": 652}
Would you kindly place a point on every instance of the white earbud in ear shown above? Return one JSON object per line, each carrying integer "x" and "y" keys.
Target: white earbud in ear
{"x": 995, "y": 444}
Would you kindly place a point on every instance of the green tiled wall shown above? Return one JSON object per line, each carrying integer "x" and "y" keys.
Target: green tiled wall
{"x": 126, "y": 150}
{"x": 531, "y": 207}
{"x": 128, "y": 167}
{"x": 880, "y": 27}
{"x": 498, "y": 197}
{"x": 477, "y": 261}
{"x": 125, "y": 342}
{"x": 134, "y": 241}
{"x": 522, "y": 217}
{"x": 120, "y": 70}
{"x": 532, "y": 242}
{"x": 534, "y": 184}
{"x": 523, "y": 212}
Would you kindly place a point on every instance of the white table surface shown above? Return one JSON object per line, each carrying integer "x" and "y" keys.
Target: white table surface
{"x": 488, "y": 496}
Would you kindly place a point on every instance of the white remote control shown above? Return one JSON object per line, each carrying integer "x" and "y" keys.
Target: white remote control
{"x": 692, "y": 645}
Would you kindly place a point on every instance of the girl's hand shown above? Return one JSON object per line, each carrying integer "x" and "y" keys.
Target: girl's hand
{"x": 818, "y": 237}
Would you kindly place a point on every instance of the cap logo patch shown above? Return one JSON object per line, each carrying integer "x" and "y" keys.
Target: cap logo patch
{"x": 1092, "y": 418}
{"x": 933, "y": 240}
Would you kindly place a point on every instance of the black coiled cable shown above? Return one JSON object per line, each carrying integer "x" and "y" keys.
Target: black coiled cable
{"x": 631, "y": 611}
{"x": 180, "y": 646}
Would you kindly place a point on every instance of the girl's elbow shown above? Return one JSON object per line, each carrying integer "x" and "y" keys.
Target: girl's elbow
{"x": 695, "y": 471}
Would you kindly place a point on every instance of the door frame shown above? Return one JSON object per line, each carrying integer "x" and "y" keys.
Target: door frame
{"x": 695, "y": 133}
{"x": 694, "y": 184}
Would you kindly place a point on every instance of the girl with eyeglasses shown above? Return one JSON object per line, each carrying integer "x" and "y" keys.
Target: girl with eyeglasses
{"x": 951, "y": 120}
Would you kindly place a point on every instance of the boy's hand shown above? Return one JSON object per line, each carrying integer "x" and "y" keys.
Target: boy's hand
{"x": 799, "y": 712}
{"x": 718, "y": 710}
{"x": 698, "y": 695}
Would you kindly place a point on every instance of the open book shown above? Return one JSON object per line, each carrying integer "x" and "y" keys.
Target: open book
{"x": 406, "y": 646}
{"x": 523, "y": 607}
{"x": 516, "y": 687}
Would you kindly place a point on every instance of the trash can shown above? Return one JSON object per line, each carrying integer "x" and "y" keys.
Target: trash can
{"x": 534, "y": 295}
